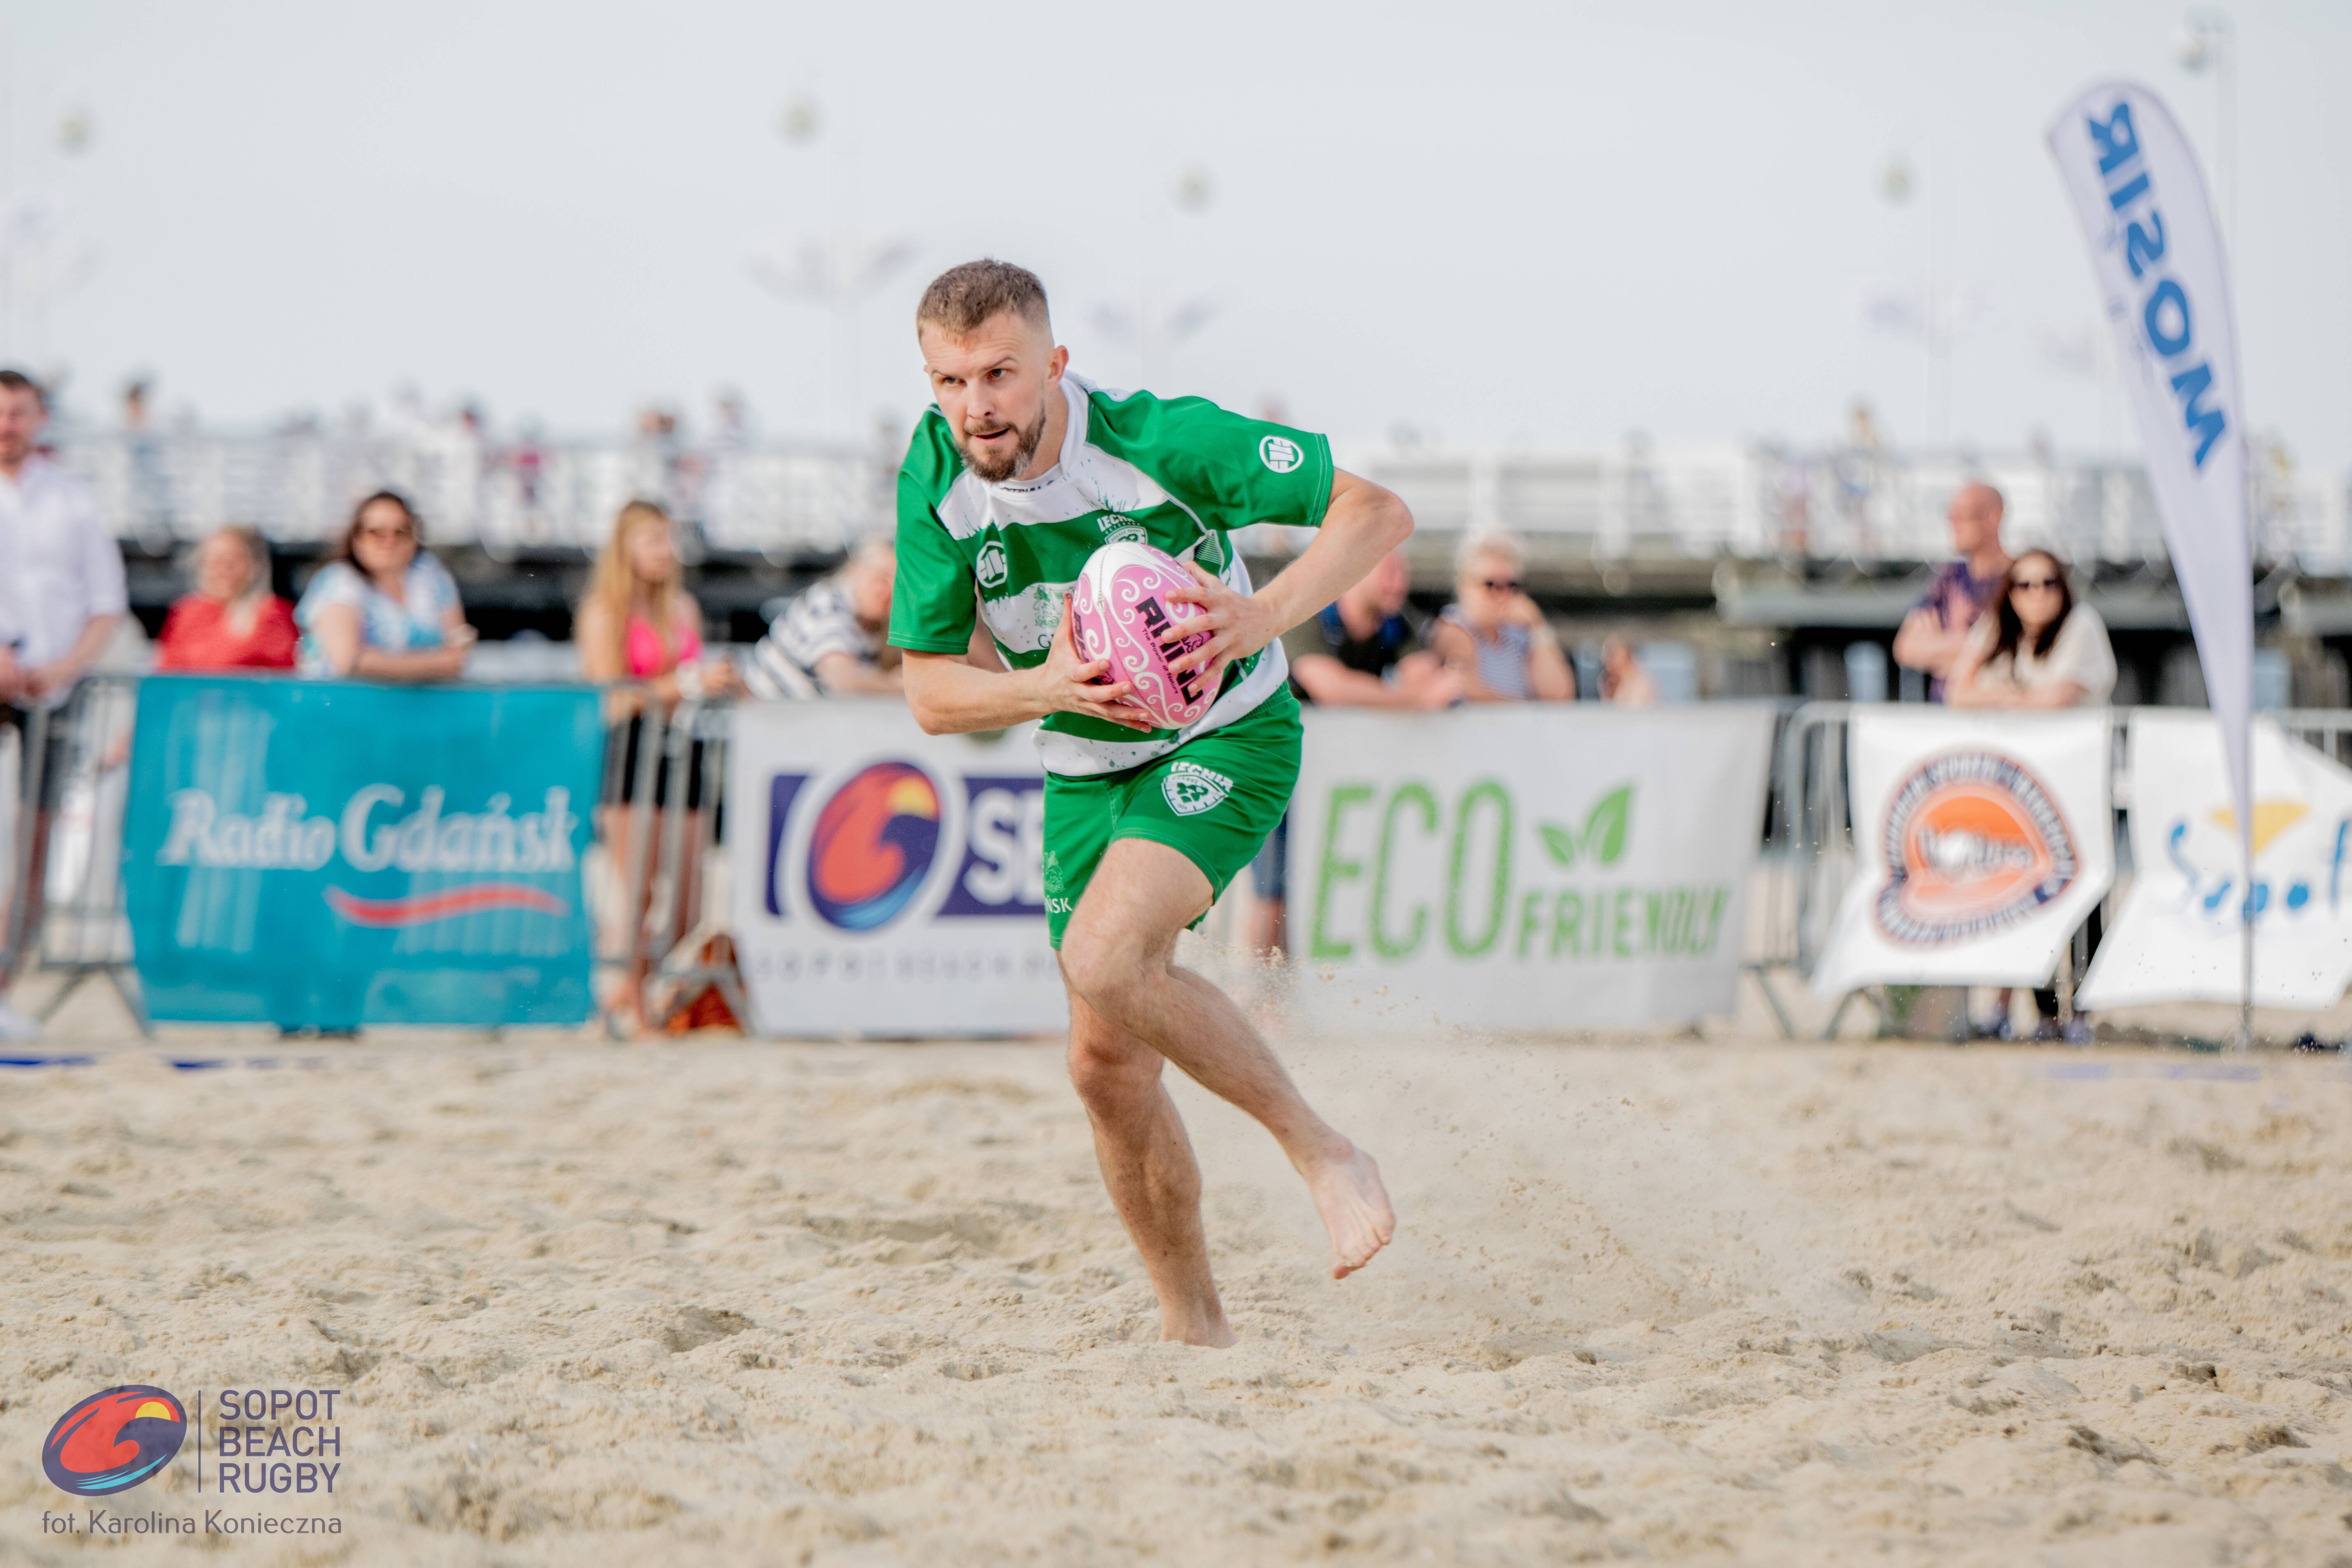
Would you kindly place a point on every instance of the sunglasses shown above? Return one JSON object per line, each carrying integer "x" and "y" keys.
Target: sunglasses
{"x": 1499, "y": 584}
{"x": 387, "y": 534}
{"x": 2033, "y": 585}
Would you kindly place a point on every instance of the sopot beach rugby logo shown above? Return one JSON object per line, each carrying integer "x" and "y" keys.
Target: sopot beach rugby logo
{"x": 114, "y": 1439}
{"x": 1973, "y": 842}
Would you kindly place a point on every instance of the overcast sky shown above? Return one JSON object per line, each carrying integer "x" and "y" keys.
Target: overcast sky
{"x": 1539, "y": 224}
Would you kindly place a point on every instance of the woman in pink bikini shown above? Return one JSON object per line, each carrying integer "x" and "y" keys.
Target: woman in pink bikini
{"x": 638, "y": 624}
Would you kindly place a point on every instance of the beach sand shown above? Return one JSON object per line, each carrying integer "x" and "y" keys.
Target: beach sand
{"x": 730, "y": 1302}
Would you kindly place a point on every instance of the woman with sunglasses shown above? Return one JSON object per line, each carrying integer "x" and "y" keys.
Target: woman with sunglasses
{"x": 1493, "y": 637}
{"x": 381, "y": 608}
{"x": 2037, "y": 649}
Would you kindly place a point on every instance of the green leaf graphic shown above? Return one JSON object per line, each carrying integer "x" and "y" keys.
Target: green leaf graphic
{"x": 1559, "y": 841}
{"x": 1604, "y": 830}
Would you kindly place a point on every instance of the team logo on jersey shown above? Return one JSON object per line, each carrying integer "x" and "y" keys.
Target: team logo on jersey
{"x": 1973, "y": 842}
{"x": 1193, "y": 789}
{"x": 1280, "y": 452}
{"x": 989, "y": 565}
{"x": 1120, "y": 529}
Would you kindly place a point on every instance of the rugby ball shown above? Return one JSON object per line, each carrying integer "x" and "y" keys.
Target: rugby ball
{"x": 1120, "y": 610}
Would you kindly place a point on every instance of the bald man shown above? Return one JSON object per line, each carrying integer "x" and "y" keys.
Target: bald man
{"x": 1937, "y": 629}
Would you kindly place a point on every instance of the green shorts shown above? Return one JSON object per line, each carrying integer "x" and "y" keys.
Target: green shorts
{"x": 1212, "y": 799}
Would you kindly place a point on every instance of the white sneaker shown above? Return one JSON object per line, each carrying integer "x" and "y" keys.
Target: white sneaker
{"x": 14, "y": 1026}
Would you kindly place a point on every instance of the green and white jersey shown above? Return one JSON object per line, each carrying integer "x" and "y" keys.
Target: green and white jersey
{"x": 1177, "y": 473}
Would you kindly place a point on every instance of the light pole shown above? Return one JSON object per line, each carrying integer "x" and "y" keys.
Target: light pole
{"x": 1897, "y": 183}
{"x": 2208, "y": 38}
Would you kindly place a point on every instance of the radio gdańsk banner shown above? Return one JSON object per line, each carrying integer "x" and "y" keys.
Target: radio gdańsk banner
{"x": 333, "y": 854}
{"x": 2177, "y": 937}
{"x": 2137, "y": 191}
{"x": 1528, "y": 868}
{"x": 887, "y": 882}
{"x": 1984, "y": 840}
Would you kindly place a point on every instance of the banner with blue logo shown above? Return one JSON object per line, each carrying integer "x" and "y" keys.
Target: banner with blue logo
{"x": 886, "y": 882}
{"x": 332, "y": 853}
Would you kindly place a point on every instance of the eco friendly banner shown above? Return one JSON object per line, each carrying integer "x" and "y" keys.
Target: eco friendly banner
{"x": 886, "y": 882}
{"x": 1985, "y": 839}
{"x": 2177, "y": 937}
{"x": 332, "y": 854}
{"x": 1532, "y": 868}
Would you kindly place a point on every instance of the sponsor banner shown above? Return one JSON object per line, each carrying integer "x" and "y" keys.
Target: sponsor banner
{"x": 1985, "y": 839}
{"x": 887, "y": 882}
{"x": 332, "y": 853}
{"x": 2177, "y": 936}
{"x": 2136, "y": 190}
{"x": 1526, "y": 867}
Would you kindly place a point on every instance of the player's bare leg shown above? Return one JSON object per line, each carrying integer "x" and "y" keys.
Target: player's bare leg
{"x": 1118, "y": 953}
{"x": 1148, "y": 1166}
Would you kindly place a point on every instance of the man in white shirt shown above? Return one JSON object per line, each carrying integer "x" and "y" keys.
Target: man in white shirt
{"x": 61, "y": 597}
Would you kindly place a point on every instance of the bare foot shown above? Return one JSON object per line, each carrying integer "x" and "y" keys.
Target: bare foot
{"x": 1214, "y": 1336}
{"x": 1355, "y": 1209}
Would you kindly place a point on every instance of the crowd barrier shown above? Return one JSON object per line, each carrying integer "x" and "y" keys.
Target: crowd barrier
{"x": 76, "y": 760}
{"x": 1811, "y": 856}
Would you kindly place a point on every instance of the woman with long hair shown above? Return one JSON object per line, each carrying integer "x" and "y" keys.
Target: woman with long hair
{"x": 381, "y": 608}
{"x": 2039, "y": 649}
{"x": 637, "y": 624}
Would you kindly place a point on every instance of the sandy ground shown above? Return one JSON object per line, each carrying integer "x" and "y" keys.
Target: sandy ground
{"x": 723, "y": 1301}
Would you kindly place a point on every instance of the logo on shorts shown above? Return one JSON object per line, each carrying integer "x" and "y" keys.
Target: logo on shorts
{"x": 1193, "y": 789}
{"x": 1280, "y": 452}
{"x": 873, "y": 844}
{"x": 989, "y": 565}
{"x": 115, "y": 1440}
{"x": 1120, "y": 529}
{"x": 1973, "y": 842}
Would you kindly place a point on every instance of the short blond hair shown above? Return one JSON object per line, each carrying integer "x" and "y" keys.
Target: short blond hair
{"x": 1478, "y": 547}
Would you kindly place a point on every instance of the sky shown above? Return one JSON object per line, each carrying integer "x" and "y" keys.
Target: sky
{"x": 1537, "y": 225}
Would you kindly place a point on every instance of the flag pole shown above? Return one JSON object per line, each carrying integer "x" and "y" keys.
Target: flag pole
{"x": 2245, "y": 1040}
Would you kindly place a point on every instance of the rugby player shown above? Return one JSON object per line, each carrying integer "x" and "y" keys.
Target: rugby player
{"x": 1019, "y": 473}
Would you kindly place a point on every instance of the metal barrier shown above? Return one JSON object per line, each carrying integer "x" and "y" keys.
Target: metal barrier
{"x": 65, "y": 915}
{"x": 1809, "y": 850}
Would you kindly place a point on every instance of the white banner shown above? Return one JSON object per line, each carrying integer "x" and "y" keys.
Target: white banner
{"x": 2135, "y": 186}
{"x": 887, "y": 882}
{"x": 2177, "y": 937}
{"x": 1525, "y": 867}
{"x": 1984, "y": 838}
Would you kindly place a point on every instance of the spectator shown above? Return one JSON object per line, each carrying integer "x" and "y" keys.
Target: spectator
{"x": 232, "y": 621}
{"x": 1623, "y": 681}
{"x": 2037, "y": 649}
{"x": 381, "y": 608}
{"x": 832, "y": 640}
{"x": 638, "y": 622}
{"x": 1493, "y": 639}
{"x": 61, "y": 597}
{"x": 1936, "y": 630}
{"x": 1361, "y": 651}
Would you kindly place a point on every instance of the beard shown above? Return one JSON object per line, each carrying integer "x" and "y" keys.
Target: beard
{"x": 1001, "y": 466}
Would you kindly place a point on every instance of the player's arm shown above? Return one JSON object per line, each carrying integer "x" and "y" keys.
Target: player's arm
{"x": 1362, "y": 523}
{"x": 950, "y": 695}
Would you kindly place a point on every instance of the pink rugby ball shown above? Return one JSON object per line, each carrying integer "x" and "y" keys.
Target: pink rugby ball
{"x": 1120, "y": 610}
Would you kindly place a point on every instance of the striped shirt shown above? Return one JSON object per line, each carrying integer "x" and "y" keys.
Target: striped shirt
{"x": 821, "y": 622}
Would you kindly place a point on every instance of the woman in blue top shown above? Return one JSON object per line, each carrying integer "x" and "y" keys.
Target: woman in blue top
{"x": 381, "y": 608}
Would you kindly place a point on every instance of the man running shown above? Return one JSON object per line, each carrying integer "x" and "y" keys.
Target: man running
{"x": 1017, "y": 476}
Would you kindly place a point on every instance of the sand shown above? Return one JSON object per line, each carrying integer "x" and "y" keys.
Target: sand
{"x": 726, "y": 1301}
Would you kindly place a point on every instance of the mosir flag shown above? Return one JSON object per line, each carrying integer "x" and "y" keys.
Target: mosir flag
{"x": 887, "y": 882}
{"x": 1524, "y": 868}
{"x": 2135, "y": 184}
{"x": 2177, "y": 936}
{"x": 1984, "y": 840}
